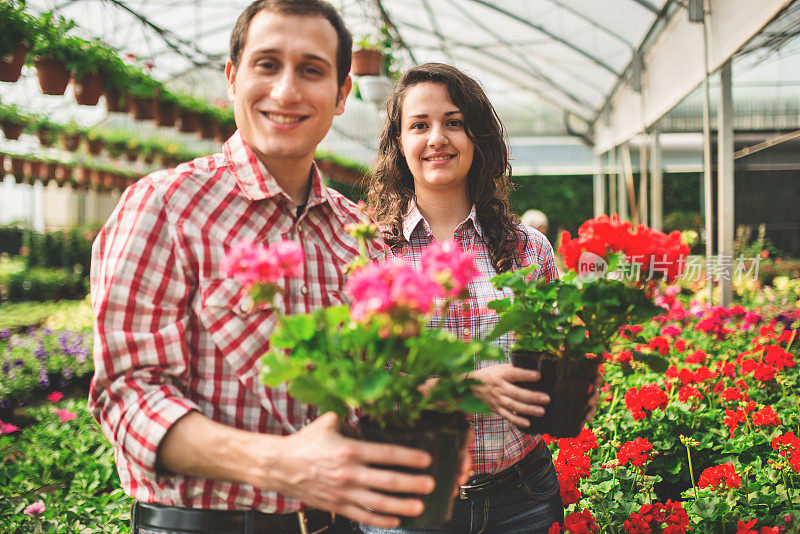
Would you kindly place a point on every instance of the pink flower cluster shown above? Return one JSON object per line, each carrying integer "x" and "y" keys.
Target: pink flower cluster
{"x": 389, "y": 286}
{"x": 452, "y": 267}
{"x": 249, "y": 263}
{"x": 396, "y": 289}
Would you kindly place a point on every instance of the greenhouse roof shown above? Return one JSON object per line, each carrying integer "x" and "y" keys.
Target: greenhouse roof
{"x": 550, "y": 66}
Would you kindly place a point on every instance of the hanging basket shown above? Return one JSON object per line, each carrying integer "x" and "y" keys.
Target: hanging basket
{"x": 88, "y": 89}
{"x": 143, "y": 108}
{"x": 32, "y": 170}
{"x": 47, "y": 171}
{"x": 367, "y": 62}
{"x": 166, "y": 113}
{"x": 46, "y": 136}
{"x": 71, "y": 142}
{"x": 82, "y": 176}
{"x": 12, "y": 129}
{"x": 224, "y": 133}
{"x": 18, "y": 168}
{"x": 95, "y": 146}
{"x": 63, "y": 174}
{"x": 116, "y": 101}
{"x": 11, "y": 64}
{"x": 53, "y": 75}
{"x": 208, "y": 127}
{"x": 189, "y": 120}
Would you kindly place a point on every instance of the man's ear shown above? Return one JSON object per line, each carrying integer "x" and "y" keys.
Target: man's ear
{"x": 341, "y": 97}
{"x": 230, "y": 75}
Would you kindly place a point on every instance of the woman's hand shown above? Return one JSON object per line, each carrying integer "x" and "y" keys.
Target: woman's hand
{"x": 504, "y": 397}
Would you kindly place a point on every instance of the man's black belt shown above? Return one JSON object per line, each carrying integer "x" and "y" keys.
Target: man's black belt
{"x": 205, "y": 521}
{"x": 533, "y": 461}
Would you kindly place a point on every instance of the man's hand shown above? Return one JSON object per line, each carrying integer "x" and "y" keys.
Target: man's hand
{"x": 504, "y": 397}
{"x": 328, "y": 471}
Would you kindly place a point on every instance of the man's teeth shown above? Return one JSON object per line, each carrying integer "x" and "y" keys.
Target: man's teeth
{"x": 282, "y": 119}
{"x": 438, "y": 158}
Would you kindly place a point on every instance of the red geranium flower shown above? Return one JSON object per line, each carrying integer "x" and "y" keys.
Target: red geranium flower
{"x": 766, "y": 417}
{"x": 635, "y": 452}
{"x": 718, "y": 477}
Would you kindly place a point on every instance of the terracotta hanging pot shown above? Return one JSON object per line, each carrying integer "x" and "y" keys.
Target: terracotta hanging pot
{"x": 166, "y": 113}
{"x": 88, "y": 89}
{"x": 95, "y": 146}
{"x": 47, "y": 171}
{"x": 12, "y": 129}
{"x": 108, "y": 180}
{"x": 143, "y": 108}
{"x": 132, "y": 154}
{"x": 11, "y": 64}
{"x": 18, "y": 168}
{"x": 31, "y": 170}
{"x": 207, "y": 127}
{"x": 83, "y": 176}
{"x": 116, "y": 101}
{"x": 189, "y": 120}
{"x": 53, "y": 75}
{"x": 63, "y": 174}
{"x": 95, "y": 178}
{"x": 71, "y": 142}
{"x": 2, "y": 165}
{"x": 224, "y": 133}
{"x": 367, "y": 62}
{"x": 46, "y": 136}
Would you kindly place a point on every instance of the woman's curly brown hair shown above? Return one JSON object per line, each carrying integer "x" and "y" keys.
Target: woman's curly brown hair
{"x": 391, "y": 186}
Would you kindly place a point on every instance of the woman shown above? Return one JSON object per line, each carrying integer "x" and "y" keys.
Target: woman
{"x": 443, "y": 173}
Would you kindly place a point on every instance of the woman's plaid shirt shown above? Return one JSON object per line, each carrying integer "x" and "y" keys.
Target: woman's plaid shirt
{"x": 498, "y": 443}
{"x": 172, "y": 334}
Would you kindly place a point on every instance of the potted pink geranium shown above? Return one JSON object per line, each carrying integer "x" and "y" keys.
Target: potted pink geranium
{"x": 374, "y": 356}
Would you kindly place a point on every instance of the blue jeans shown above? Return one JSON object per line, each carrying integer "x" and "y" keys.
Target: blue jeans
{"x": 530, "y": 506}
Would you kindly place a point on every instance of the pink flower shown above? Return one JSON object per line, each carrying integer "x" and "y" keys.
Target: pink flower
{"x": 34, "y": 509}
{"x": 392, "y": 287}
{"x": 290, "y": 257}
{"x": 251, "y": 264}
{"x": 450, "y": 265}
{"x": 55, "y": 396}
{"x": 64, "y": 416}
{"x": 7, "y": 428}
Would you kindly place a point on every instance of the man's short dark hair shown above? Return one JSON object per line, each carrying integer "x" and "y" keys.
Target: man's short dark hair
{"x": 296, "y": 7}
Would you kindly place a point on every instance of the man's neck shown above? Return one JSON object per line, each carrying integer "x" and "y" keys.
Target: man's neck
{"x": 444, "y": 211}
{"x": 293, "y": 175}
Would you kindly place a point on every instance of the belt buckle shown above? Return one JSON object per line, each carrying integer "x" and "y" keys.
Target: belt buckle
{"x": 462, "y": 490}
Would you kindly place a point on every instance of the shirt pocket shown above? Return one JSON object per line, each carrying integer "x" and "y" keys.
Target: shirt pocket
{"x": 238, "y": 327}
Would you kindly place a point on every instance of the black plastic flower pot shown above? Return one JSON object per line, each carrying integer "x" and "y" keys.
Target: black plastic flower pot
{"x": 442, "y": 435}
{"x": 569, "y": 382}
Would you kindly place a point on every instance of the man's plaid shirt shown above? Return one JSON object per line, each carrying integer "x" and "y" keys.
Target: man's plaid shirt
{"x": 498, "y": 443}
{"x": 172, "y": 334}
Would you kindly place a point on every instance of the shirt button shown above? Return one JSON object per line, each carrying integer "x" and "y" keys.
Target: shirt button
{"x": 465, "y": 331}
{"x": 304, "y": 290}
{"x": 246, "y": 305}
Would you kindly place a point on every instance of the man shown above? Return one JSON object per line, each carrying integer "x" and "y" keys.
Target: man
{"x": 199, "y": 442}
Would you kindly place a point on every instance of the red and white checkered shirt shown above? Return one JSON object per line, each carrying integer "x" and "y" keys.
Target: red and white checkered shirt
{"x": 498, "y": 443}
{"x": 172, "y": 334}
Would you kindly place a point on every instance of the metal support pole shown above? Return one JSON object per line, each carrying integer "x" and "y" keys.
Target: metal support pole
{"x": 622, "y": 188}
{"x": 725, "y": 184}
{"x": 599, "y": 187}
{"x": 656, "y": 182}
{"x": 642, "y": 204}
{"x": 708, "y": 214}
{"x": 612, "y": 181}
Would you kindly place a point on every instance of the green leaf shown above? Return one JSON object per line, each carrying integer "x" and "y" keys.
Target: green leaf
{"x": 655, "y": 362}
{"x": 576, "y": 335}
{"x": 300, "y": 327}
{"x": 277, "y": 368}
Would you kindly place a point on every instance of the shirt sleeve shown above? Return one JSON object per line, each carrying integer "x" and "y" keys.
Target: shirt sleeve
{"x": 140, "y": 296}
{"x": 538, "y": 250}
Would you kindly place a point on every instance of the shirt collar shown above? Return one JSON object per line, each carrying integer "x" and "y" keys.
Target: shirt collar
{"x": 255, "y": 182}
{"x": 413, "y": 218}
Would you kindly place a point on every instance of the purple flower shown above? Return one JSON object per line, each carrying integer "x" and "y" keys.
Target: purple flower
{"x": 66, "y": 372}
{"x": 44, "y": 380}
{"x": 6, "y": 367}
{"x": 41, "y": 353}
{"x": 5, "y": 333}
{"x": 19, "y": 363}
